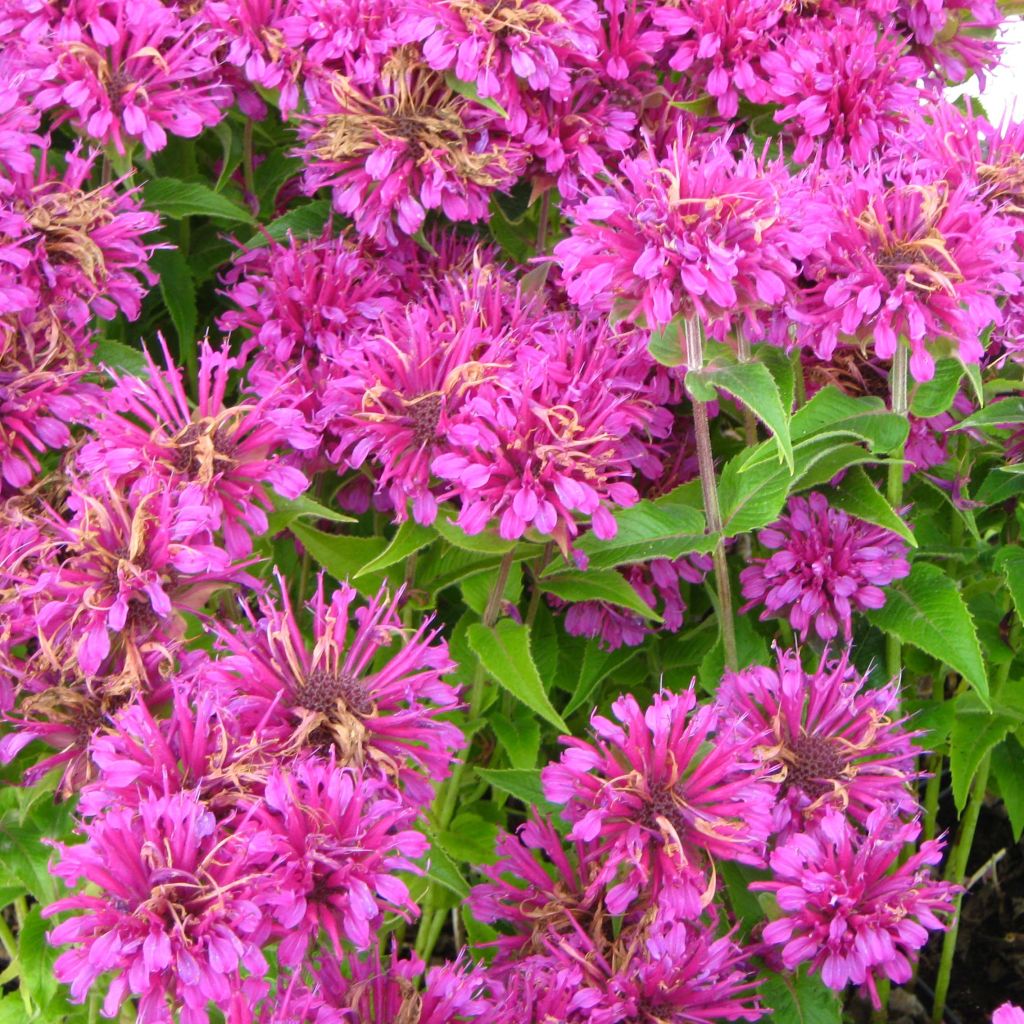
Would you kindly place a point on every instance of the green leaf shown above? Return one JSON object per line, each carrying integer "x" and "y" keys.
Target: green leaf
{"x": 177, "y": 199}
{"x": 1004, "y": 413}
{"x": 441, "y": 868}
{"x": 666, "y": 345}
{"x": 867, "y": 417}
{"x": 522, "y": 784}
{"x": 12, "y": 1010}
{"x": 504, "y": 651}
{"x": 485, "y": 543}
{"x": 520, "y": 739}
{"x": 668, "y": 527}
{"x": 469, "y": 90}
{"x": 595, "y": 667}
{"x": 272, "y": 173}
{"x": 120, "y": 357}
{"x": 178, "y": 291}
{"x": 470, "y": 839}
{"x": 936, "y": 395}
{"x": 287, "y": 510}
{"x": 859, "y": 496}
{"x": 1008, "y": 769}
{"x": 303, "y": 222}
{"x": 22, "y": 853}
{"x": 976, "y": 730}
{"x": 702, "y": 106}
{"x": 1010, "y": 562}
{"x": 36, "y": 956}
{"x": 408, "y": 538}
{"x": 780, "y": 366}
{"x": 800, "y": 998}
{"x": 598, "y": 585}
{"x": 534, "y": 282}
{"x": 755, "y": 387}
{"x": 744, "y": 903}
{"x": 927, "y": 611}
{"x": 340, "y": 554}
{"x": 972, "y": 371}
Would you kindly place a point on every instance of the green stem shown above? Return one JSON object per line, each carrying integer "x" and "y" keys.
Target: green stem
{"x": 894, "y": 489}
{"x": 709, "y": 491}
{"x": 542, "y": 223}
{"x": 749, "y": 420}
{"x": 955, "y": 872}
{"x": 447, "y": 800}
{"x": 8, "y": 943}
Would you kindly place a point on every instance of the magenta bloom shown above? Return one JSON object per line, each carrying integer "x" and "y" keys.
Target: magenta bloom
{"x": 851, "y": 909}
{"x": 383, "y": 990}
{"x": 556, "y": 436}
{"x": 953, "y": 37}
{"x": 131, "y": 71}
{"x": 495, "y": 46}
{"x": 73, "y": 251}
{"x": 828, "y": 737}
{"x": 538, "y": 888}
{"x": 339, "y": 837}
{"x": 923, "y": 262}
{"x": 1008, "y": 1014}
{"x": 826, "y": 565}
{"x": 696, "y": 231}
{"x": 19, "y": 122}
{"x": 661, "y": 792}
{"x": 406, "y": 145}
{"x": 147, "y": 430}
{"x": 842, "y": 86}
{"x": 178, "y": 914}
{"x": 667, "y": 974}
{"x": 718, "y": 45}
{"x": 339, "y": 694}
{"x": 126, "y": 566}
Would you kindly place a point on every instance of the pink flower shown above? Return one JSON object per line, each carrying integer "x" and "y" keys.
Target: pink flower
{"x": 18, "y": 125}
{"x": 826, "y": 565}
{"x": 661, "y": 792}
{"x": 828, "y": 737}
{"x": 499, "y": 46}
{"x": 1008, "y": 1014}
{"x": 130, "y": 71}
{"x": 718, "y": 46}
{"x": 697, "y": 231}
{"x": 556, "y": 436}
{"x": 148, "y": 434}
{"x": 72, "y": 251}
{"x": 341, "y": 694}
{"x": 405, "y": 145}
{"x": 339, "y": 837}
{"x": 851, "y": 909}
{"x": 842, "y": 86}
{"x": 175, "y": 909}
{"x": 668, "y": 973}
{"x": 953, "y": 37}
{"x": 122, "y": 570}
{"x": 920, "y": 261}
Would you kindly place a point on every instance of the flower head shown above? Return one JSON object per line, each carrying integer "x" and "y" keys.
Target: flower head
{"x": 148, "y": 432}
{"x": 338, "y": 694}
{"x": 406, "y": 145}
{"x": 697, "y": 230}
{"x": 131, "y": 71}
{"x": 340, "y": 838}
{"x": 923, "y": 262}
{"x": 828, "y": 737}
{"x": 851, "y": 909}
{"x": 826, "y": 565}
{"x": 662, "y": 791}
{"x": 1008, "y": 1014}
{"x": 175, "y": 910}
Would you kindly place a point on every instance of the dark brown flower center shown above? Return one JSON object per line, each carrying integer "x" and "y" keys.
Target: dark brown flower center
{"x": 425, "y": 413}
{"x": 813, "y": 762}
{"x": 321, "y": 691}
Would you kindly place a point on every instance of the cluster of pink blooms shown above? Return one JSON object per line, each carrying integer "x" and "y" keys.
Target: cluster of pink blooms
{"x": 804, "y": 773}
